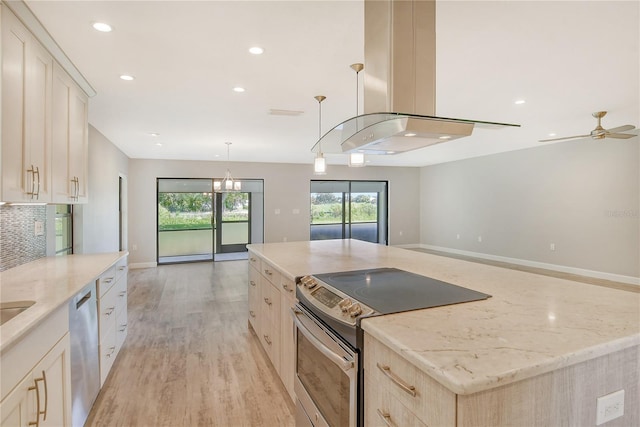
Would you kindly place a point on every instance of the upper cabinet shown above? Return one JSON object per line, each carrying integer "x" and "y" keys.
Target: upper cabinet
{"x": 44, "y": 120}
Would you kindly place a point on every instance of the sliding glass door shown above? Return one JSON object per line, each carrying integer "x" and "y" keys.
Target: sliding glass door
{"x": 349, "y": 209}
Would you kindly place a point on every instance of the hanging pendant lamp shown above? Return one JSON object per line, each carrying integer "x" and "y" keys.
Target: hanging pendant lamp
{"x": 356, "y": 160}
{"x": 228, "y": 183}
{"x": 320, "y": 163}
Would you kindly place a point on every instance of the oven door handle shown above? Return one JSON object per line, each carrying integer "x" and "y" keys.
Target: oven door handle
{"x": 345, "y": 365}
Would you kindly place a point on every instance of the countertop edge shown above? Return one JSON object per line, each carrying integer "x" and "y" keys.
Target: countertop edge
{"x": 16, "y": 333}
{"x": 456, "y": 385}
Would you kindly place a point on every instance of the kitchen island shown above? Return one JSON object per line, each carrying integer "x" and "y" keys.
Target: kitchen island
{"x": 540, "y": 351}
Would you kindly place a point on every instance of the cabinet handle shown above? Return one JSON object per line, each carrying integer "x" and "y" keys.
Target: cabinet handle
{"x": 124, "y": 327}
{"x": 113, "y": 349}
{"x": 108, "y": 280}
{"x": 252, "y": 282}
{"x": 123, "y": 293}
{"x": 386, "y": 418}
{"x": 397, "y": 380}
{"x": 109, "y": 311}
{"x": 269, "y": 272}
{"x": 122, "y": 267}
{"x": 37, "y": 172}
{"x": 252, "y": 259}
{"x": 252, "y": 313}
{"x": 266, "y": 338}
{"x": 32, "y": 171}
{"x": 77, "y": 188}
{"x": 287, "y": 288}
{"x": 268, "y": 301}
{"x": 35, "y": 387}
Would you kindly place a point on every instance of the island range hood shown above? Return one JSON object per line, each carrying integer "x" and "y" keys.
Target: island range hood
{"x": 399, "y": 86}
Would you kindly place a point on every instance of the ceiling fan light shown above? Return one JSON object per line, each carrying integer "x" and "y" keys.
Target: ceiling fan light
{"x": 356, "y": 160}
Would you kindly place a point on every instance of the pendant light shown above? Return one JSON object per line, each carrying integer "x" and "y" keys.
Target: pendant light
{"x": 356, "y": 160}
{"x": 320, "y": 163}
{"x": 228, "y": 184}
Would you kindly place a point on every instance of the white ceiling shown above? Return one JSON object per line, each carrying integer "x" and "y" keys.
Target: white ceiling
{"x": 566, "y": 59}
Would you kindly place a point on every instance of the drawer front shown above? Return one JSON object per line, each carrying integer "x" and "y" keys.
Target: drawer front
{"x": 108, "y": 351}
{"x": 420, "y": 394}
{"x": 106, "y": 281}
{"x": 270, "y": 273}
{"x": 121, "y": 269}
{"x": 254, "y": 261}
{"x": 384, "y": 410}
{"x": 107, "y": 306}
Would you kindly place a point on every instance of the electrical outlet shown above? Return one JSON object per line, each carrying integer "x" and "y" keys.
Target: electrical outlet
{"x": 134, "y": 247}
{"x": 610, "y": 407}
{"x": 38, "y": 229}
{"x": 552, "y": 247}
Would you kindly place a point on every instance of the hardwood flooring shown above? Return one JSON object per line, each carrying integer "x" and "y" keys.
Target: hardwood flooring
{"x": 189, "y": 358}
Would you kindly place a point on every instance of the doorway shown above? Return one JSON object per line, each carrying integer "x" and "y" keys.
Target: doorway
{"x": 196, "y": 223}
{"x": 349, "y": 210}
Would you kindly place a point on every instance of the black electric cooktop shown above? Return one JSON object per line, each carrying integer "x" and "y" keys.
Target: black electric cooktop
{"x": 390, "y": 290}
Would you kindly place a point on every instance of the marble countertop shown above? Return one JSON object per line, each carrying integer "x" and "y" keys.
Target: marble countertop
{"x": 532, "y": 325}
{"x": 50, "y": 282}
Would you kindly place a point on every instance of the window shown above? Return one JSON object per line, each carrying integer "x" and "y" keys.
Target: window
{"x": 64, "y": 229}
{"x": 349, "y": 209}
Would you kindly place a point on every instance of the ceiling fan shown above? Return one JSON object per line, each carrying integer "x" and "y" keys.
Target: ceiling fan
{"x": 599, "y": 132}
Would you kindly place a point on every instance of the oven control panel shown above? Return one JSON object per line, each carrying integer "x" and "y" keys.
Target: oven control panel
{"x": 331, "y": 301}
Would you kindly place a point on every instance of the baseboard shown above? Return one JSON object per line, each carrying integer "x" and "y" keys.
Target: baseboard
{"x": 136, "y": 265}
{"x": 560, "y": 268}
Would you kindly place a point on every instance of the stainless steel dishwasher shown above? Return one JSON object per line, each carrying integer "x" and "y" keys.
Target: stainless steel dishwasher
{"x": 85, "y": 359}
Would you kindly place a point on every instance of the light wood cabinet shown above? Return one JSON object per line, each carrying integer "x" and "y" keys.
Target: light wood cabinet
{"x": 69, "y": 140}
{"x": 27, "y": 70}
{"x": 271, "y": 296}
{"x": 112, "y": 315}
{"x": 44, "y": 142}
{"x": 38, "y": 387}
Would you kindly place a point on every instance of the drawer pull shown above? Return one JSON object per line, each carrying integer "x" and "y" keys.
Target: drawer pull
{"x": 386, "y": 418}
{"x": 287, "y": 288}
{"x": 122, "y": 267}
{"x": 397, "y": 380}
{"x": 252, "y": 259}
{"x": 112, "y": 350}
{"x": 124, "y": 327}
{"x": 269, "y": 272}
{"x": 252, "y": 282}
{"x": 266, "y": 338}
{"x": 268, "y": 301}
{"x": 109, "y": 311}
{"x": 123, "y": 293}
{"x": 252, "y": 313}
{"x": 108, "y": 280}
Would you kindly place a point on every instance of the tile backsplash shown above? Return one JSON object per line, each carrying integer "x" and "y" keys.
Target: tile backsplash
{"x": 18, "y": 242}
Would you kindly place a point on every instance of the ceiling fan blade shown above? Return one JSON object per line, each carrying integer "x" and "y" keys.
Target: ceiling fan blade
{"x": 621, "y": 128}
{"x": 566, "y": 137}
{"x": 620, "y": 135}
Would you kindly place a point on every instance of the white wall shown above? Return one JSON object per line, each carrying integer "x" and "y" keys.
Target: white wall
{"x": 581, "y": 195}
{"x": 286, "y": 188}
{"x": 96, "y": 224}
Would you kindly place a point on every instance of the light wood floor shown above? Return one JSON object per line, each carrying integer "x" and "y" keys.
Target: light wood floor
{"x": 189, "y": 358}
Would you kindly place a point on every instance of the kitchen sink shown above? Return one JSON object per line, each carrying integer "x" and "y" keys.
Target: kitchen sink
{"x": 10, "y": 309}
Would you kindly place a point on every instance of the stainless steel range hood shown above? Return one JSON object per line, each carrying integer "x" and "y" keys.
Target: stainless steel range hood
{"x": 399, "y": 86}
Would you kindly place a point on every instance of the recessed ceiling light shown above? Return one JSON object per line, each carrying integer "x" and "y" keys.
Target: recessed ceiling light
{"x": 102, "y": 27}
{"x": 238, "y": 89}
{"x": 127, "y": 77}
{"x": 409, "y": 134}
{"x": 520, "y": 102}
{"x": 154, "y": 134}
{"x": 256, "y": 50}
{"x": 159, "y": 144}
{"x": 444, "y": 137}
{"x": 552, "y": 134}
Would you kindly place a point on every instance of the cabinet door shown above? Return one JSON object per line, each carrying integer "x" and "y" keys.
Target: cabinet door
{"x": 18, "y": 408}
{"x": 15, "y": 39}
{"x": 26, "y": 114}
{"x": 53, "y": 377}
{"x": 287, "y": 341}
{"x": 79, "y": 143}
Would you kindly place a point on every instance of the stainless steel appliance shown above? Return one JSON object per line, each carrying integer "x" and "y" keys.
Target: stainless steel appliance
{"x": 329, "y": 347}
{"x": 85, "y": 369}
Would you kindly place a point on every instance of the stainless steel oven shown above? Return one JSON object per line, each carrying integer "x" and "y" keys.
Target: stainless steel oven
{"x": 329, "y": 381}
{"x": 326, "y": 383}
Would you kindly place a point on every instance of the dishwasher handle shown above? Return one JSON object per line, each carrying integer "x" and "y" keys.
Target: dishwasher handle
{"x": 83, "y": 300}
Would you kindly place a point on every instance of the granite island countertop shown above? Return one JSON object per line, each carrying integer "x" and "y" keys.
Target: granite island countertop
{"x": 533, "y": 324}
{"x": 51, "y": 282}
